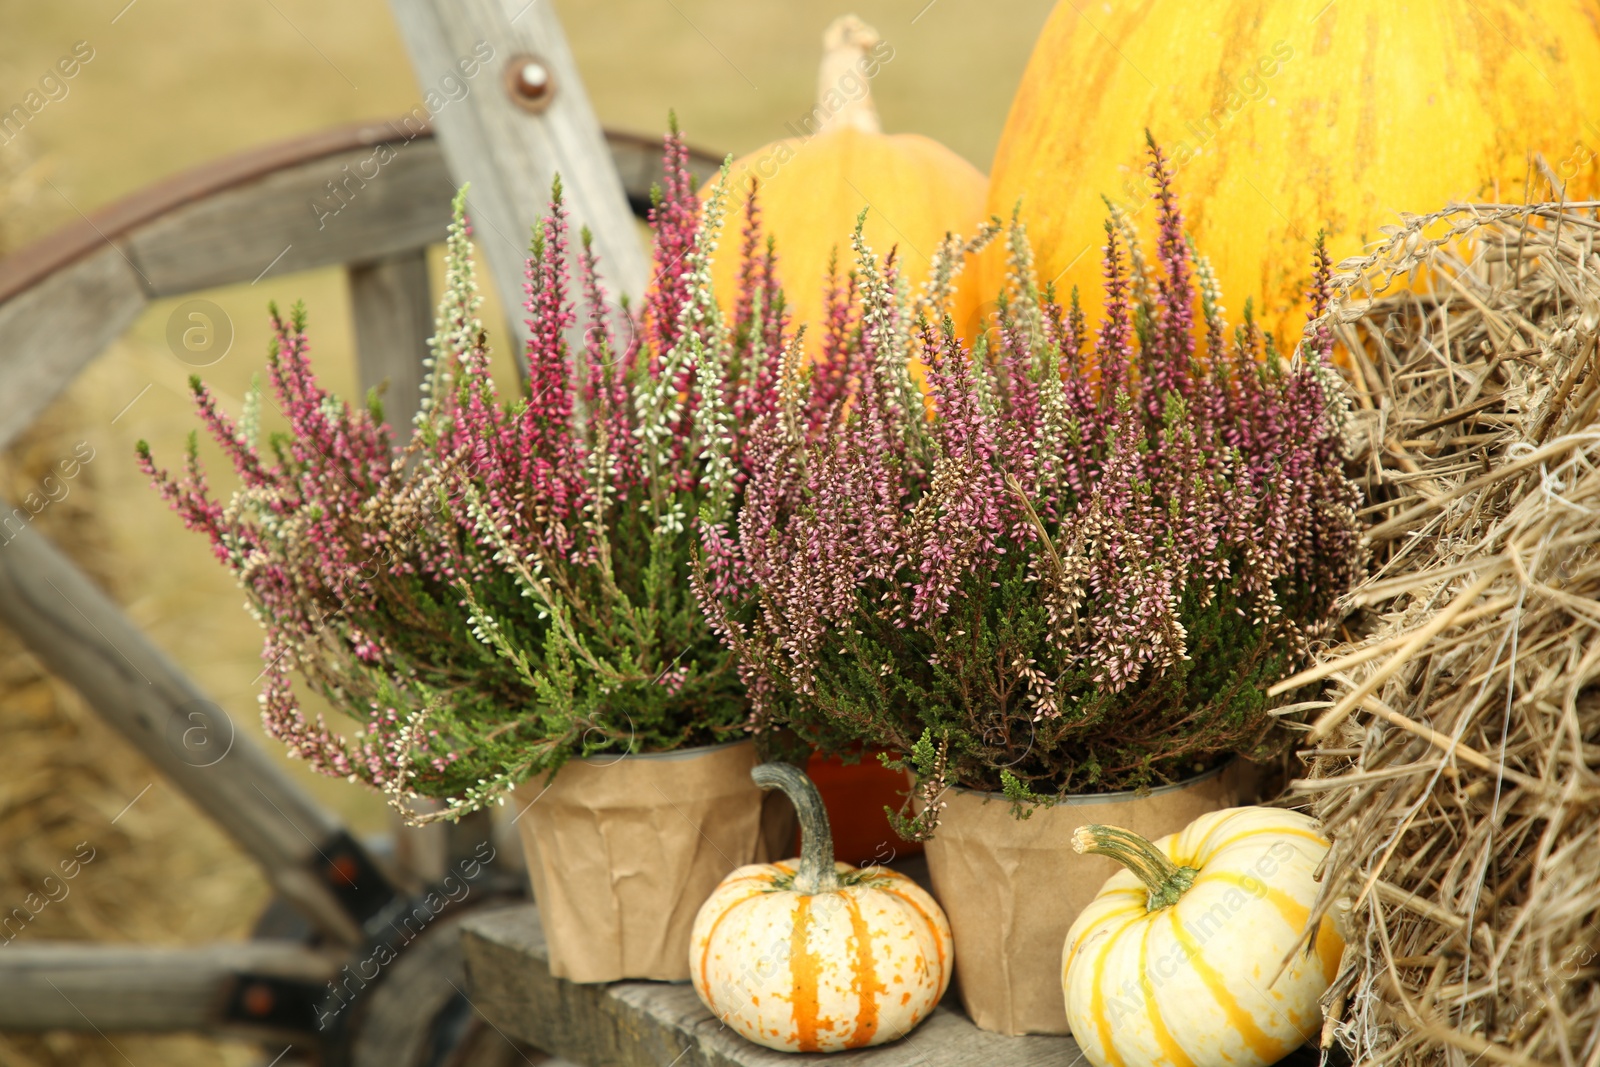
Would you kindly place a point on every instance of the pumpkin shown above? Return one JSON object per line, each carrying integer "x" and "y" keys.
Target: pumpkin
{"x": 1285, "y": 118}
{"x": 816, "y": 956}
{"x": 813, "y": 186}
{"x": 1177, "y": 960}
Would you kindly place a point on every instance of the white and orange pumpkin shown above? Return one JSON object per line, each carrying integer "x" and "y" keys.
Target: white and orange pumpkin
{"x": 1180, "y": 961}
{"x": 816, "y": 956}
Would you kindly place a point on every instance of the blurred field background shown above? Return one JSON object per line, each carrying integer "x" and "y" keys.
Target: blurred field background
{"x": 174, "y": 83}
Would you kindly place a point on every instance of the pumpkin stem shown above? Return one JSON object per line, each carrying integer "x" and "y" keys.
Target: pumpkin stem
{"x": 817, "y": 873}
{"x": 844, "y": 92}
{"x": 1165, "y": 879}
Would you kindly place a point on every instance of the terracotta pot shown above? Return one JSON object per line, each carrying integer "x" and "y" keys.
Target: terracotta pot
{"x": 1012, "y": 887}
{"x": 622, "y": 851}
{"x": 855, "y": 796}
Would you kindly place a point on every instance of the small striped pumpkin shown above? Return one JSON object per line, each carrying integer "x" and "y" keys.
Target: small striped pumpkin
{"x": 1177, "y": 961}
{"x": 817, "y": 956}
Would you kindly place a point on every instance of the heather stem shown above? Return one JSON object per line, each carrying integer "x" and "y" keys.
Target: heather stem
{"x": 817, "y": 873}
{"x": 1165, "y": 879}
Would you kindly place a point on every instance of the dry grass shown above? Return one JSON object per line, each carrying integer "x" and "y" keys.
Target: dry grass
{"x": 1459, "y": 763}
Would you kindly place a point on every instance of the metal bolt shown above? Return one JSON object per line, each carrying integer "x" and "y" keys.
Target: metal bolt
{"x": 258, "y": 999}
{"x": 529, "y": 83}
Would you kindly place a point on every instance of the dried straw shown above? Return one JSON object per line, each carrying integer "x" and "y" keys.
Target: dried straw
{"x": 1459, "y": 732}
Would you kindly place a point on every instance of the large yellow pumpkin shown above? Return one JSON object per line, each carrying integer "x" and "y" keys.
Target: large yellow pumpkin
{"x": 817, "y": 956}
{"x": 812, "y": 187}
{"x": 1283, "y": 118}
{"x": 1176, "y": 962}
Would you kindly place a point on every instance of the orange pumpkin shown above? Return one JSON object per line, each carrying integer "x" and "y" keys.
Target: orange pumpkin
{"x": 1283, "y": 118}
{"x": 811, "y": 187}
{"x": 816, "y": 956}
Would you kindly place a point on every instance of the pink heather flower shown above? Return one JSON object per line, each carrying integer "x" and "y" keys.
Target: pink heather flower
{"x": 1099, "y": 491}
{"x": 512, "y": 587}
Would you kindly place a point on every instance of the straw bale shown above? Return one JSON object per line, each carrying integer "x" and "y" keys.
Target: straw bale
{"x": 1456, "y": 743}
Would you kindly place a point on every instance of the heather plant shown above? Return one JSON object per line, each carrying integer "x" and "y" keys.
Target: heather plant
{"x": 1077, "y": 564}
{"x": 510, "y": 589}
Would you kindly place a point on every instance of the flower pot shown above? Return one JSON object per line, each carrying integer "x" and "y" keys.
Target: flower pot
{"x": 855, "y": 796}
{"x": 622, "y": 851}
{"x": 1012, "y": 887}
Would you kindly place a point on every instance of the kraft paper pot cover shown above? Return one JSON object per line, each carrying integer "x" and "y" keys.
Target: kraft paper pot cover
{"x": 1012, "y": 887}
{"x": 622, "y": 851}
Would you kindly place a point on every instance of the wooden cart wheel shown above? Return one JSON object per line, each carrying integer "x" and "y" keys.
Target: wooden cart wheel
{"x": 62, "y": 302}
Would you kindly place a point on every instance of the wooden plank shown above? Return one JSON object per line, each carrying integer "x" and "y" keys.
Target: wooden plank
{"x": 392, "y": 307}
{"x": 509, "y": 155}
{"x": 83, "y": 638}
{"x": 648, "y": 1024}
{"x": 51, "y": 332}
{"x": 64, "y": 985}
{"x": 361, "y": 204}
